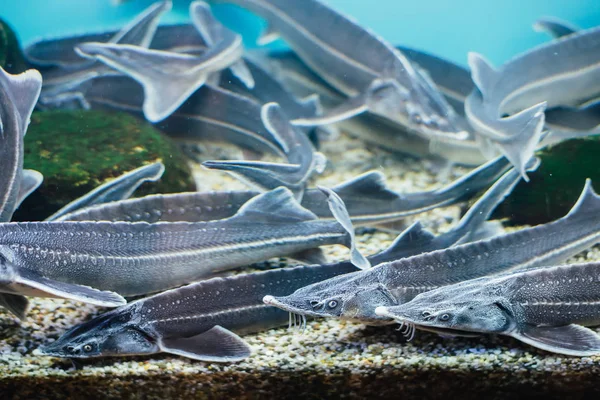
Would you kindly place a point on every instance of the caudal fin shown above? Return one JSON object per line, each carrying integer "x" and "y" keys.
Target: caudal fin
{"x": 338, "y": 209}
{"x": 168, "y": 78}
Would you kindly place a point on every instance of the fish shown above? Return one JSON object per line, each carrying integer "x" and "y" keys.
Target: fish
{"x": 355, "y": 296}
{"x": 548, "y": 308}
{"x": 139, "y": 258}
{"x": 362, "y": 65}
{"x": 209, "y": 114}
{"x": 18, "y": 96}
{"x": 368, "y": 199}
{"x": 201, "y": 321}
{"x": 168, "y": 78}
{"x": 30, "y": 181}
{"x": 554, "y": 27}
{"x": 61, "y": 83}
{"x": 114, "y": 190}
{"x": 522, "y": 93}
{"x": 302, "y": 159}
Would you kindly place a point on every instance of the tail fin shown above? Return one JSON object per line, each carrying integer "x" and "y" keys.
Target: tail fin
{"x": 475, "y": 218}
{"x": 168, "y": 78}
{"x": 338, "y": 209}
{"x": 23, "y": 91}
{"x": 527, "y": 132}
{"x": 483, "y": 74}
{"x": 30, "y": 180}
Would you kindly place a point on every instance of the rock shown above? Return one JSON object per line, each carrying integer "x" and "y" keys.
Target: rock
{"x": 556, "y": 184}
{"x": 78, "y": 150}
{"x": 11, "y": 56}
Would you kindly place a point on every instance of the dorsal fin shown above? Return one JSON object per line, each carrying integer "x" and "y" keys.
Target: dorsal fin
{"x": 30, "y": 180}
{"x": 413, "y": 234}
{"x": 141, "y": 30}
{"x": 588, "y": 201}
{"x": 275, "y": 206}
{"x": 483, "y": 73}
{"x": 23, "y": 90}
{"x": 371, "y": 184}
{"x": 275, "y": 122}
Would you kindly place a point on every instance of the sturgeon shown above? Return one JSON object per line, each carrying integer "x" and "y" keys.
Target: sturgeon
{"x": 547, "y": 308}
{"x": 169, "y": 78}
{"x": 355, "y": 296}
{"x": 357, "y": 62}
{"x": 367, "y": 198}
{"x": 528, "y": 84}
{"x": 139, "y": 258}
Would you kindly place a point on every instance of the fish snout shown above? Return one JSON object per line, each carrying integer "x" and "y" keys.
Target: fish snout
{"x": 383, "y": 312}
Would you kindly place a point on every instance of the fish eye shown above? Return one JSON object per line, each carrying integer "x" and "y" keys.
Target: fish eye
{"x": 444, "y": 317}
{"x": 332, "y": 304}
{"x": 87, "y": 348}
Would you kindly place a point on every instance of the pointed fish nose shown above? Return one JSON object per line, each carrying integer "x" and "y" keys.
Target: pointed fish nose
{"x": 89, "y": 49}
{"x": 383, "y": 312}
{"x": 270, "y": 300}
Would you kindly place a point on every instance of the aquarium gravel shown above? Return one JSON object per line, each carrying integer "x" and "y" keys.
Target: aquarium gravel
{"x": 329, "y": 359}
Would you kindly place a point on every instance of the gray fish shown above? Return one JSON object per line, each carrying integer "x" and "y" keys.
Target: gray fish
{"x": 117, "y": 189}
{"x": 376, "y": 76}
{"x": 528, "y": 84}
{"x": 139, "y": 258}
{"x": 210, "y": 114}
{"x": 18, "y": 95}
{"x": 355, "y": 296}
{"x": 367, "y": 198}
{"x": 302, "y": 159}
{"x": 554, "y": 27}
{"x": 60, "y": 51}
{"x": 61, "y": 83}
{"x": 196, "y": 321}
{"x": 547, "y": 308}
{"x": 168, "y": 78}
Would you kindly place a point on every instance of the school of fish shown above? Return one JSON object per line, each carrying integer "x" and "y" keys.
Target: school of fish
{"x": 196, "y": 82}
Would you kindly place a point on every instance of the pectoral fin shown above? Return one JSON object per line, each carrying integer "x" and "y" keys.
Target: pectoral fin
{"x": 217, "y": 345}
{"x": 70, "y": 291}
{"x": 573, "y": 340}
{"x": 310, "y": 256}
{"x": 15, "y": 303}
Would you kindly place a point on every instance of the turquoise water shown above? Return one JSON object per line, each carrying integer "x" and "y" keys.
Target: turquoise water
{"x": 497, "y": 29}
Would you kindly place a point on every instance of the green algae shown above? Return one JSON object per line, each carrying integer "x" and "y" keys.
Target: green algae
{"x": 556, "y": 184}
{"x": 11, "y": 56}
{"x": 77, "y": 151}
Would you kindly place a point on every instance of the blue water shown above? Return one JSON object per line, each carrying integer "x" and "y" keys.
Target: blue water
{"x": 448, "y": 28}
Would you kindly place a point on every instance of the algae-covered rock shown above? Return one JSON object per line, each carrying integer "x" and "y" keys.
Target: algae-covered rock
{"x": 556, "y": 184}
{"x": 78, "y": 150}
{"x": 11, "y": 56}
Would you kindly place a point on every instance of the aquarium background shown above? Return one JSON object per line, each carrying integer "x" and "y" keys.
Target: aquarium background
{"x": 449, "y": 29}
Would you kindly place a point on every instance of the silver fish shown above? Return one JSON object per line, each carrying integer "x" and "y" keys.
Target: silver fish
{"x": 367, "y": 198}
{"x": 139, "y": 258}
{"x": 201, "y": 321}
{"x": 546, "y": 308}
{"x": 355, "y": 296}
{"x": 210, "y": 114}
{"x": 117, "y": 189}
{"x": 168, "y": 78}
{"x": 376, "y": 76}
{"x": 61, "y": 83}
{"x": 523, "y": 92}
